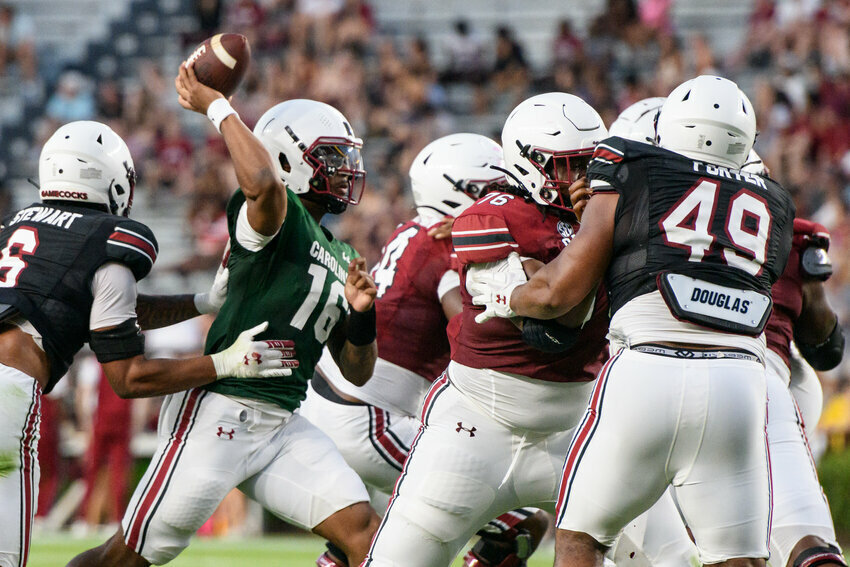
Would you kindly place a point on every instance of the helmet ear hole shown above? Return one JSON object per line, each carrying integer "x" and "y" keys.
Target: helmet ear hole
{"x": 119, "y": 190}
{"x": 284, "y": 162}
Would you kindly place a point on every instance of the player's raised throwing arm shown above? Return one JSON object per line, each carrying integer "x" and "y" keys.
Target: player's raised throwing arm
{"x": 263, "y": 188}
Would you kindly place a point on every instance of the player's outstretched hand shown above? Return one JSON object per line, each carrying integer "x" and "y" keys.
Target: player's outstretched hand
{"x": 210, "y": 302}
{"x": 191, "y": 93}
{"x": 247, "y": 358}
{"x": 579, "y": 195}
{"x": 491, "y": 285}
{"x": 442, "y": 229}
{"x": 360, "y": 290}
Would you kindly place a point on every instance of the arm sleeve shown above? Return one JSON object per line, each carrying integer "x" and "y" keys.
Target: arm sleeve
{"x": 479, "y": 238}
{"x": 114, "y": 292}
{"x": 249, "y": 238}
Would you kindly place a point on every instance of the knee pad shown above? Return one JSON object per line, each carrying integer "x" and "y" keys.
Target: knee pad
{"x": 509, "y": 549}
{"x": 819, "y": 556}
{"x": 446, "y": 514}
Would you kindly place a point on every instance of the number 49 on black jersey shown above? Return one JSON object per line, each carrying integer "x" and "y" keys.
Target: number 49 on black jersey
{"x": 710, "y": 238}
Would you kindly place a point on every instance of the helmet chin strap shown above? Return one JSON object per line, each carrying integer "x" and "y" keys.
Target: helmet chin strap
{"x": 331, "y": 204}
{"x": 510, "y": 174}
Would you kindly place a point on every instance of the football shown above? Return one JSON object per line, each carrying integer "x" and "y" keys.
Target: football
{"x": 220, "y": 62}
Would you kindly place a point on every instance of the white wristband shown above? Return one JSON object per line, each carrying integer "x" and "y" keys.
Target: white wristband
{"x": 218, "y": 110}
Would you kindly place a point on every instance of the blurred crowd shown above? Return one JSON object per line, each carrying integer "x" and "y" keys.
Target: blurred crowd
{"x": 794, "y": 62}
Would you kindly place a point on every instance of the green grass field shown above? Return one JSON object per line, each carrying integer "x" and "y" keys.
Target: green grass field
{"x": 283, "y": 551}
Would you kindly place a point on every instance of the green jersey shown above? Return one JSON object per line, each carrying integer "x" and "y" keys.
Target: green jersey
{"x": 296, "y": 282}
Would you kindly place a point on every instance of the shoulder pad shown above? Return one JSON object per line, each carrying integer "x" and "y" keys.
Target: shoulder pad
{"x": 610, "y": 155}
{"x": 481, "y": 235}
{"x": 134, "y": 245}
{"x": 610, "y": 150}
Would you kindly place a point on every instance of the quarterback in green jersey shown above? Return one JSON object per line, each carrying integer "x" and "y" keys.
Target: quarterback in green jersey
{"x": 301, "y": 162}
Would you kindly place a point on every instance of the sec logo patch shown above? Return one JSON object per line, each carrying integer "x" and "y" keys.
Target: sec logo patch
{"x": 566, "y": 231}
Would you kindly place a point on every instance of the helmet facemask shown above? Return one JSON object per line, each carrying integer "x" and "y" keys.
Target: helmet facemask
{"x": 560, "y": 170}
{"x": 338, "y": 177}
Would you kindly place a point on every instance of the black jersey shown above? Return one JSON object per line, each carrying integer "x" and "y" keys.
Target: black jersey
{"x": 710, "y": 238}
{"x": 49, "y": 253}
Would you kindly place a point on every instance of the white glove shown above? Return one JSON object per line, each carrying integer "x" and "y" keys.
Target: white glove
{"x": 491, "y": 285}
{"x": 247, "y": 358}
{"x": 211, "y": 301}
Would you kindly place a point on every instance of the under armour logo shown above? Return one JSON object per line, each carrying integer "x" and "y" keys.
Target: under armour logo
{"x": 685, "y": 354}
{"x": 255, "y": 356}
{"x": 501, "y": 299}
{"x": 221, "y": 432}
{"x": 460, "y": 428}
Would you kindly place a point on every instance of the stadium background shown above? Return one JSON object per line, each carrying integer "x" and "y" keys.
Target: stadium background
{"x": 404, "y": 72}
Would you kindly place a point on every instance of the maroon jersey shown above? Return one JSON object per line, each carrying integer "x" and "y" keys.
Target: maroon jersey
{"x": 788, "y": 290}
{"x": 488, "y": 231}
{"x": 410, "y": 320}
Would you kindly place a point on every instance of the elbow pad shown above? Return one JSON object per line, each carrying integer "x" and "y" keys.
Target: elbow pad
{"x": 118, "y": 343}
{"x": 826, "y": 355}
{"x": 548, "y": 335}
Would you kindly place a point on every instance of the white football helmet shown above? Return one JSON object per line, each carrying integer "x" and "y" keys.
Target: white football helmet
{"x": 452, "y": 172}
{"x": 548, "y": 141}
{"x": 710, "y": 119}
{"x": 311, "y": 142}
{"x": 637, "y": 122}
{"x": 88, "y": 162}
